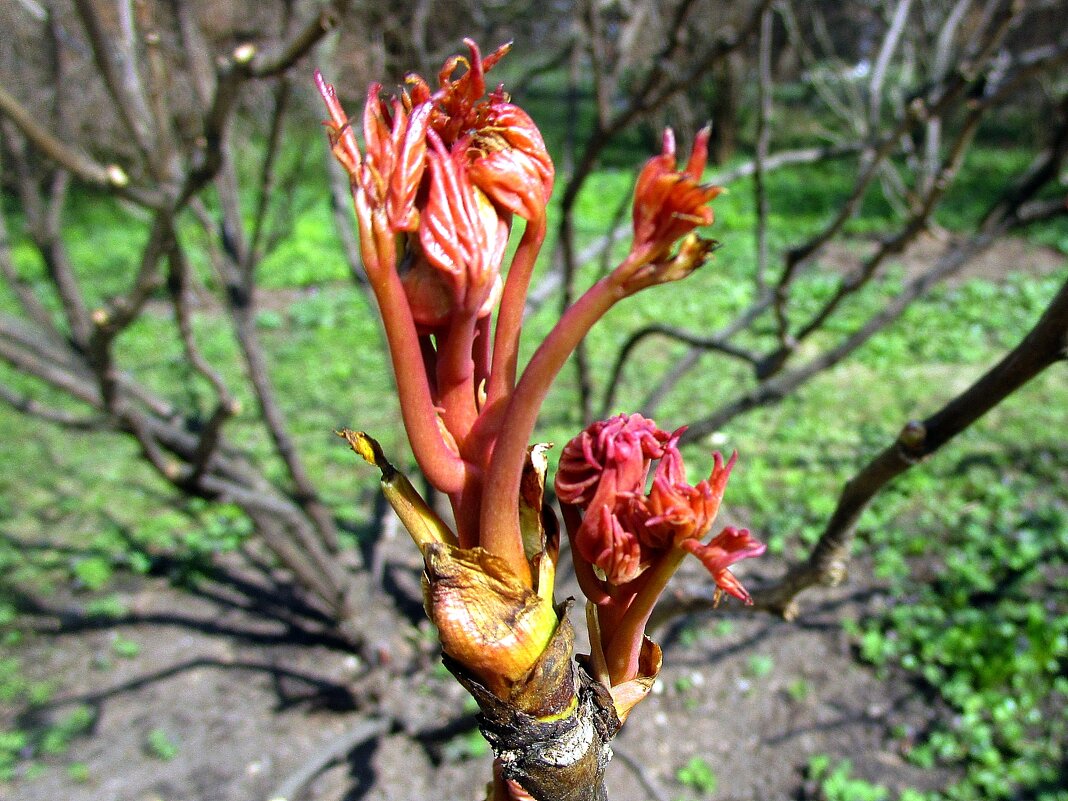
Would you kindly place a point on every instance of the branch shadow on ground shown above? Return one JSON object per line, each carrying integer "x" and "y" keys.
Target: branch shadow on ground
{"x": 361, "y": 770}
{"x": 320, "y": 693}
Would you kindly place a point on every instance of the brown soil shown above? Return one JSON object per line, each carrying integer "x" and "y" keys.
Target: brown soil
{"x": 249, "y": 702}
{"x": 1005, "y": 256}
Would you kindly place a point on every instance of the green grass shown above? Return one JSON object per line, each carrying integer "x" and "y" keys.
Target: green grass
{"x": 987, "y": 631}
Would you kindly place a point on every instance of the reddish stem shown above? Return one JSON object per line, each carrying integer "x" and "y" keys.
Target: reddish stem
{"x": 592, "y": 586}
{"x": 626, "y": 634}
{"x": 510, "y": 314}
{"x": 440, "y": 463}
{"x": 466, "y": 505}
{"x": 500, "y": 509}
{"x": 430, "y": 365}
{"x": 481, "y": 353}
{"x": 456, "y": 374}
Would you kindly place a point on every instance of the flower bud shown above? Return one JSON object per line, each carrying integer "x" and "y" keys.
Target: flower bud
{"x": 669, "y": 204}
{"x": 508, "y": 159}
{"x": 622, "y": 446}
{"x": 677, "y": 511}
{"x": 461, "y": 231}
{"x": 602, "y": 541}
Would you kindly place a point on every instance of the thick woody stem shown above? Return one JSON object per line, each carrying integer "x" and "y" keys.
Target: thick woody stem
{"x": 551, "y": 736}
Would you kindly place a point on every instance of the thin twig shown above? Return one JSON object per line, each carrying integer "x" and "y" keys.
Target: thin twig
{"x": 27, "y": 299}
{"x": 41, "y": 223}
{"x": 713, "y": 343}
{"x": 155, "y": 91}
{"x": 268, "y": 169}
{"x": 61, "y": 417}
{"x": 943, "y": 53}
{"x": 275, "y": 62}
{"x": 954, "y": 258}
{"x": 111, "y": 176}
{"x": 123, "y": 86}
{"x": 882, "y": 61}
{"x": 763, "y": 132}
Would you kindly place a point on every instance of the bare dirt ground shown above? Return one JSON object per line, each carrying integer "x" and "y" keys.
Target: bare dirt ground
{"x": 249, "y": 703}
{"x": 1004, "y": 256}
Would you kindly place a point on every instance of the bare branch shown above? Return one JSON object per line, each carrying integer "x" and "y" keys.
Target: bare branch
{"x": 714, "y": 343}
{"x": 1006, "y": 213}
{"x": 27, "y": 359}
{"x": 267, "y": 180}
{"x": 775, "y": 389}
{"x": 196, "y": 49}
{"x": 178, "y": 284}
{"x": 687, "y": 362}
{"x": 762, "y": 136}
{"x": 34, "y": 408}
{"x": 332, "y": 752}
{"x": 120, "y": 79}
{"x": 1045, "y": 345}
{"x": 275, "y": 62}
{"x": 110, "y": 176}
{"x": 155, "y": 92}
{"x": 886, "y": 52}
{"x": 943, "y": 52}
{"x": 31, "y": 305}
{"x": 41, "y": 220}
{"x": 643, "y": 776}
{"x": 889, "y": 246}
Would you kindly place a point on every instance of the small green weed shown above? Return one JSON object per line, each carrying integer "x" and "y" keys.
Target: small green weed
{"x": 799, "y": 690}
{"x": 56, "y": 739}
{"x": 159, "y": 745}
{"x": 127, "y": 649}
{"x": 723, "y": 628}
{"x": 13, "y": 747}
{"x": 989, "y": 635}
{"x": 93, "y": 572}
{"x": 836, "y": 784}
{"x": 760, "y": 665}
{"x": 108, "y": 606}
{"x": 78, "y": 772}
{"x": 50, "y": 738}
{"x": 697, "y": 775}
{"x": 469, "y": 745}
